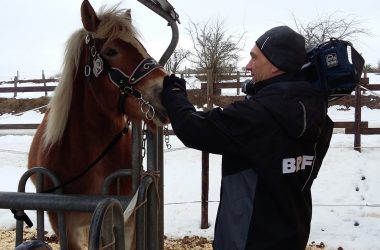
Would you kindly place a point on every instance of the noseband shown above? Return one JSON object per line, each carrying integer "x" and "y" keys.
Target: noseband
{"x": 125, "y": 82}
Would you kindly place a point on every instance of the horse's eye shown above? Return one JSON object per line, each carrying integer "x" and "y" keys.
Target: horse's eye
{"x": 111, "y": 52}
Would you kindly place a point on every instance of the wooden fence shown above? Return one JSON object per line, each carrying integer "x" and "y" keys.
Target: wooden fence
{"x": 17, "y": 89}
{"x": 207, "y": 95}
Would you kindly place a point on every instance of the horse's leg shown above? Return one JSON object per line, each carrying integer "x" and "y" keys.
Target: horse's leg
{"x": 53, "y": 218}
{"x": 76, "y": 228}
{"x": 76, "y": 224}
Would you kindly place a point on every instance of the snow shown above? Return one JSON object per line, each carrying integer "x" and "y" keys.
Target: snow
{"x": 346, "y": 199}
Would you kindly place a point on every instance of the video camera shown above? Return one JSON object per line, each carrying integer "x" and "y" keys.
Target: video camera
{"x": 333, "y": 67}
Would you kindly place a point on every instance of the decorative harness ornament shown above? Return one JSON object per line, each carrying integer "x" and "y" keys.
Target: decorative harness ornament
{"x": 121, "y": 79}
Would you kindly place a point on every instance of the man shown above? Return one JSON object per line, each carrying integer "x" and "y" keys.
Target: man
{"x": 272, "y": 146}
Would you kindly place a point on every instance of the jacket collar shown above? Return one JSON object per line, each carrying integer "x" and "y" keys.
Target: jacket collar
{"x": 286, "y": 77}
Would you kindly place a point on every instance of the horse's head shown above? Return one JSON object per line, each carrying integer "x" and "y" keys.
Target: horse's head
{"x": 123, "y": 76}
{"x": 107, "y": 72}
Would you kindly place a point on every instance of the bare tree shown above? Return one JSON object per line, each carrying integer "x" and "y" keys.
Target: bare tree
{"x": 322, "y": 29}
{"x": 214, "y": 48}
{"x": 176, "y": 59}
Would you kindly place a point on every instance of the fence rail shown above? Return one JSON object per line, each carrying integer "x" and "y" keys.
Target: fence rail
{"x": 349, "y": 127}
{"x": 17, "y": 89}
{"x": 208, "y": 94}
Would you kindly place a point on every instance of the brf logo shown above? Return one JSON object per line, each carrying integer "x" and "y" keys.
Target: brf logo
{"x": 293, "y": 165}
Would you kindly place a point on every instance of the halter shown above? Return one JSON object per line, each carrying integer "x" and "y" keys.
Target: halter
{"x": 120, "y": 79}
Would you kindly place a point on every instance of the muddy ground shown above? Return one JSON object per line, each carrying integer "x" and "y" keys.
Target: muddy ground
{"x": 7, "y": 241}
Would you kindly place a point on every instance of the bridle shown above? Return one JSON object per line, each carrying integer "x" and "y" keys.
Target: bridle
{"x": 96, "y": 65}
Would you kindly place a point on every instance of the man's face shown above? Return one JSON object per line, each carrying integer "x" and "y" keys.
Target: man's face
{"x": 261, "y": 69}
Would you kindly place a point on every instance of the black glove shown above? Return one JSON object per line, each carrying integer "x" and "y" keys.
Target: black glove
{"x": 173, "y": 84}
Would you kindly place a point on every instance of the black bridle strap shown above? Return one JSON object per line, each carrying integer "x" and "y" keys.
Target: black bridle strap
{"x": 122, "y": 80}
{"x": 112, "y": 143}
{"x": 125, "y": 82}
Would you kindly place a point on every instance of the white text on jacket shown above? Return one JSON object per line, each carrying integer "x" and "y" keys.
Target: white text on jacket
{"x": 292, "y": 165}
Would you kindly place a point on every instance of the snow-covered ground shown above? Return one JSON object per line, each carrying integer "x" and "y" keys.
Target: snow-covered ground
{"x": 346, "y": 196}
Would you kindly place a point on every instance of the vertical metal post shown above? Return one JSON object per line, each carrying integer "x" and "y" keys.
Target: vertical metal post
{"x": 141, "y": 223}
{"x": 136, "y": 154}
{"x": 155, "y": 161}
{"x": 152, "y": 161}
{"x": 40, "y": 213}
{"x": 160, "y": 186}
{"x": 358, "y": 112}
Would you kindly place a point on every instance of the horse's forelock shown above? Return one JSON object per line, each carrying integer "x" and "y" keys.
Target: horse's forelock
{"x": 116, "y": 23}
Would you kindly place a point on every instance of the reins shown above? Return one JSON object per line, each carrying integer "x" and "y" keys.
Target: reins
{"x": 112, "y": 143}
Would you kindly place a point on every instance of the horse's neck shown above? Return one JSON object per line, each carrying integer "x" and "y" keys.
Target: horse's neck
{"x": 89, "y": 126}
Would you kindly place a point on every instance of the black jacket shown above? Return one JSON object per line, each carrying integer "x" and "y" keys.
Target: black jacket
{"x": 272, "y": 145}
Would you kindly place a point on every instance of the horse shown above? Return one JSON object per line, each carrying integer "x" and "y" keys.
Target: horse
{"x": 108, "y": 79}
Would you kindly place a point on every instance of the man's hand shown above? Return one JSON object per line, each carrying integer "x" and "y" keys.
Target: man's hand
{"x": 173, "y": 84}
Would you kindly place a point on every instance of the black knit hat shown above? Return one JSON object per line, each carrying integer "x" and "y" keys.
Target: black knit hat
{"x": 283, "y": 47}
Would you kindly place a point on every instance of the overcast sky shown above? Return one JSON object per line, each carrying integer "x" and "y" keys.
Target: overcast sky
{"x": 34, "y": 32}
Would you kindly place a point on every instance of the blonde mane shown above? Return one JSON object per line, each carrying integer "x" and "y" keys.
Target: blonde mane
{"x": 114, "y": 24}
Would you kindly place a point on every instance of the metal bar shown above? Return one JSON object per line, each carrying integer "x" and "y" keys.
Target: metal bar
{"x": 53, "y": 202}
{"x": 173, "y": 44}
{"x": 109, "y": 179}
{"x": 141, "y": 214}
{"x": 152, "y": 237}
{"x": 160, "y": 186}
{"x": 136, "y": 154}
{"x": 40, "y": 213}
{"x": 166, "y": 11}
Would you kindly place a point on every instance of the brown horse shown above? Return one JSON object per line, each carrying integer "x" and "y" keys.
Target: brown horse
{"x": 107, "y": 77}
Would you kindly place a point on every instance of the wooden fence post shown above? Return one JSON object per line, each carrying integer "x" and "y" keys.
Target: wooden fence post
{"x": 205, "y": 158}
{"x": 210, "y": 87}
{"x": 357, "y": 122}
{"x": 238, "y": 82}
{"x": 205, "y": 190}
{"x": 44, "y": 80}
{"x": 15, "y": 84}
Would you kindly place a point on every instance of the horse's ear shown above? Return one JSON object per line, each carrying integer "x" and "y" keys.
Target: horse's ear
{"x": 128, "y": 14}
{"x": 89, "y": 18}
